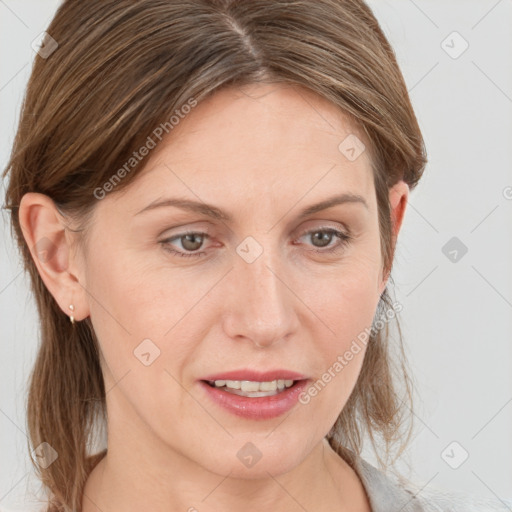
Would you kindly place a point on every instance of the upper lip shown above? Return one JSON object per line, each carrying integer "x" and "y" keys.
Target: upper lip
{"x": 256, "y": 376}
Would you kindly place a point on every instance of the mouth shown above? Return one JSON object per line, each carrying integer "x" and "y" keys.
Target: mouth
{"x": 255, "y": 399}
{"x": 253, "y": 394}
{"x": 252, "y": 389}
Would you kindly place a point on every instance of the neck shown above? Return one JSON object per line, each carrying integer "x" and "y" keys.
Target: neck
{"x": 131, "y": 479}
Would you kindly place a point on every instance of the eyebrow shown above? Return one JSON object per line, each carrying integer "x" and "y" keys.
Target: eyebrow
{"x": 218, "y": 214}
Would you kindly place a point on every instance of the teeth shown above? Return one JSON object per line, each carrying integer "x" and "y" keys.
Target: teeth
{"x": 248, "y": 386}
{"x": 266, "y": 386}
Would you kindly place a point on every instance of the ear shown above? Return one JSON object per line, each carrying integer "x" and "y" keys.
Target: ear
{"x": 47, "y": 234}
{"x": 398, "y": 197}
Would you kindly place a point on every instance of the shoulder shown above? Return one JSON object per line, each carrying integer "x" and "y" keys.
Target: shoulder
{"x": 27, "y": 507}
{"x": 386, "y": 493}
{"x": 444, "y": 500}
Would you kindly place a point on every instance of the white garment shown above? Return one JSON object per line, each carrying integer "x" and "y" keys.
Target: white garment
{"x": 386, "y": 494}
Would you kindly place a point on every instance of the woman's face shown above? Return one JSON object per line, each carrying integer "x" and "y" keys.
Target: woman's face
{"x": 257, "y": 285}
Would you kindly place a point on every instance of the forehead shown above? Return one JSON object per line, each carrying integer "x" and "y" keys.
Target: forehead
{"x": 277, "y": 141}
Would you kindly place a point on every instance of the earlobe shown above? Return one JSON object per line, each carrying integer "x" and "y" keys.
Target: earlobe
{"x": 44, "y": 230}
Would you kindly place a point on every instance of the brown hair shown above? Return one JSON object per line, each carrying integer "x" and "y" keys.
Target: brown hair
{"x": 121, "y": 69}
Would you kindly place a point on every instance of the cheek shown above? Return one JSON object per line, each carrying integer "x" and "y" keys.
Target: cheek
{"x": 130, "y": 321}
{"x": 142, "y": 327}
{"x": 346, "y": 304}
{"x": 125, "y": 295}
{"x": 346, "y": 297}
{"x": 342, "y": 357}
{"x": 349, "y": 315}
{"x": 127, "y": 317}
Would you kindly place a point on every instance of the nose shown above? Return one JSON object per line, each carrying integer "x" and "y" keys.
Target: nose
{"x": 259, "y": 306}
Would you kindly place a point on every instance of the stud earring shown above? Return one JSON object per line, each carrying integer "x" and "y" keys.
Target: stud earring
{"x": 71, "y": 317}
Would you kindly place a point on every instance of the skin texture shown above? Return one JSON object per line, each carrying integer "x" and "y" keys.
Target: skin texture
{"x": 261, "y": 153}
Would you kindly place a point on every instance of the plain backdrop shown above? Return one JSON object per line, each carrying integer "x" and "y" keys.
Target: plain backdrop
{"x": 452, "y": 271}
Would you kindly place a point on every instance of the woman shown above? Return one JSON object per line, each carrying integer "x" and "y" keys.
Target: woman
{"x": 207, "y": 196}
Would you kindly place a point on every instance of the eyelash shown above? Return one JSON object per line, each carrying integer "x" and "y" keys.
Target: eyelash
{"x": 343, "y": 238}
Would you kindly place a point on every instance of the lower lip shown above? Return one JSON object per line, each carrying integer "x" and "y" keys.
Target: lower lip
{"x": 257, "y": 408}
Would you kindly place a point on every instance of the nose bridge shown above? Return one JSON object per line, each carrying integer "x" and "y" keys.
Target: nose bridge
{"x": 260, "y": 307}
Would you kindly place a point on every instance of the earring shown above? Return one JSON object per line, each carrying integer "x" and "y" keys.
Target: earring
{"x": 72, "y": 308}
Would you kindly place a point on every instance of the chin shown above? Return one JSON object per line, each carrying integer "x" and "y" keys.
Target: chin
{"x": 257, "y": 458}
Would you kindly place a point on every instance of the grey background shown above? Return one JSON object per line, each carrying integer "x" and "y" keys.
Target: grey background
{"x": 457, "y": 315}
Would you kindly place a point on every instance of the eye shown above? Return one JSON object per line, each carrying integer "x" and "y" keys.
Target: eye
{"x": 326, "y": 236}
{"x": 193, "y": 240}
